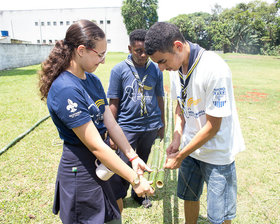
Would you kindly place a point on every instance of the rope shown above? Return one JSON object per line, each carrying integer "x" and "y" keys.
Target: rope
{"x": 23, "y": 135}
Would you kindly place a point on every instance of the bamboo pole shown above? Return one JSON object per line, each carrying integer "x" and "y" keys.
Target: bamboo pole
{"x": 167, "y": 140}
{"x": 149, "y": 162}
{"x": 23, "y": 134}
{"x": 161, "y": 173}
{"x": 155, "y": 161}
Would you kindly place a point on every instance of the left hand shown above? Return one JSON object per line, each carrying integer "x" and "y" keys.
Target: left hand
{"x": 161, "y": 132}
{"x": 113, "y": 145}
{"x": 139, "y": 166}
{"x": 172, "y": 161}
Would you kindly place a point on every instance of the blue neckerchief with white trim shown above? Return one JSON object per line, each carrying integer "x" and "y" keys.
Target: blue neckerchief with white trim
{"x": 139, "y": 81}
{"x": 195, "y": 54}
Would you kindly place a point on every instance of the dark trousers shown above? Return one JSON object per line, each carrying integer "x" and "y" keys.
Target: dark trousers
{"x": 141, "y": 142}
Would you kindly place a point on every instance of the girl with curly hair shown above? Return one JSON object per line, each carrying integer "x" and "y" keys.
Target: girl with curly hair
{"x": 79, "y": 109}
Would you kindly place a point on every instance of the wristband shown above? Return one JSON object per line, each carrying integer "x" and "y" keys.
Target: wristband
{"x": 133, "y": 158}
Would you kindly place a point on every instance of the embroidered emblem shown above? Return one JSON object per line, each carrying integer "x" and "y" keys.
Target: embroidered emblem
{"x": 192, "y": 101}
{"x": 219, "y": 97}
{"x": 71, "y": 106}
{"x": 100, "y": 102}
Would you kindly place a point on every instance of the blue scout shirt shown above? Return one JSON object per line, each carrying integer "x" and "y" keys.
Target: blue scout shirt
{"x": 73, "y": 102}
{"x": 124, "y": 86}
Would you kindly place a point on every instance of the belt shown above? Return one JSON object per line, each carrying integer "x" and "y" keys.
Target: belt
{"x": 104, "y": 136}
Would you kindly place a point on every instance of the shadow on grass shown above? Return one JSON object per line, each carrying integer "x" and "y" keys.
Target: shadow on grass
{"x": 203, "y": 220}
{"x": 19, "y": 72}
{"x": 170, "y": 201}
{"x": 171, "y": 215}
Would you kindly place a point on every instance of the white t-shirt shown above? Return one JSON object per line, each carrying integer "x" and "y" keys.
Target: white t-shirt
{"x": 210, "y": 91}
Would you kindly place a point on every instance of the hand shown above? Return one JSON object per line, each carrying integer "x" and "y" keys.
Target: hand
{"x": 113, "y": 145}
{"x": 172, "y": 161}
{"x": 173, "y": 147}
{"x": 143, "y": 188}
{"x": 161, "y": 132}
{"x": 139, "y": 166}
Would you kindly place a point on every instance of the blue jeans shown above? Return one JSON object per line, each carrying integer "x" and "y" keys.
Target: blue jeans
{"x": 221, "y": 187}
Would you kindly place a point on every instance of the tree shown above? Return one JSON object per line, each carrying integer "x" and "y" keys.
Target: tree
{"x": 277, "y": 4}
{"x": 194, "y": 27}
{"x": 252, "y": 28}
{"x": 139, "y": 14}
{"x": 246, "y": 28}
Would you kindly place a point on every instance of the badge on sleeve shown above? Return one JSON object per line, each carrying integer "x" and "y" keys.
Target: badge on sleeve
{"x": 72, "y": 107}
{"x": 219, "y": 97}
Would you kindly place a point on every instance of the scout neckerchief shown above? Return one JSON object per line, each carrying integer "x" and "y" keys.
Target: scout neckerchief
{"x": 139, "y": 81}
{"x": 197, "y": 51}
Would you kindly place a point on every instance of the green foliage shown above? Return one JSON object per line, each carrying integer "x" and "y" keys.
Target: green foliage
{"x": 139, "y": 14}
{"x": 270, "y": 50}
{"x": 277, "y": 3}
{"x": 246, "y": 28}
{"x": 193, "y": 27}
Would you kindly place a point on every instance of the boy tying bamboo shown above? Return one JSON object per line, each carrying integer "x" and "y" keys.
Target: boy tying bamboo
{"x": 206, "y": 123}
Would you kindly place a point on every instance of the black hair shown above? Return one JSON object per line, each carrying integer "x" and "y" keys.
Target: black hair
{"x": 82, "y": 32}
{"x": 137, "y": 35}
{"x": 161, "y": 36}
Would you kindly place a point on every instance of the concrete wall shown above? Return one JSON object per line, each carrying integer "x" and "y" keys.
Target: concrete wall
{"x": 20, "y": 55}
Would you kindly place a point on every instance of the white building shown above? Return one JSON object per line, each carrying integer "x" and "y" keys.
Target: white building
{"x": 45, "y": 26}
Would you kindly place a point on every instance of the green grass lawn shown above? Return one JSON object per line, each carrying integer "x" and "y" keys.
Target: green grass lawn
{"x": 28, "y": 169}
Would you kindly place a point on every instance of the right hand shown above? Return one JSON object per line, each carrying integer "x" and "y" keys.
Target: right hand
{"x": 143, "y": 188}
{"x": 173, "y": 147}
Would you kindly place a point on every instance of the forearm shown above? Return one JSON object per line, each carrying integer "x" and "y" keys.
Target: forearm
{"x": 161, "y": 107}
{"x": 179, "y": 123}
{"x": 120, "y": 139}
{"x": 111, "y": 160}
{"x": 208, "y": 131}
{"x": 89, "y": 135}
{"x": 116, "y": 133}
{"x": 114, "y": 106}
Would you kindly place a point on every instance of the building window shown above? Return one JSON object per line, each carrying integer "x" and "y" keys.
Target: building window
{"x": 54, "y": 23}
{"x": 38, "y": 41}
{"x": 61, "y": 23}
{"x": 48, "y": 23}
{"x": 108, "y": 41}
{"x": 108, "y": 21}
{"x": 36, "y": 23}
{"x": 44, "y": 41}
{"x": 67, "y": 23}
{"x": 42, "y": 24}
{"x": 101, "y": 21}
{"x": 50, "y": 41}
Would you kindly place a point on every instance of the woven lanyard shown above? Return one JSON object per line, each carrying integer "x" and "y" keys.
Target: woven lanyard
{"x": 184, "y": 84}
{"x": 139, "y": 81}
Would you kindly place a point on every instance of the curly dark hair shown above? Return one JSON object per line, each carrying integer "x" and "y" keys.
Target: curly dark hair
{"x": 82, "y": 32}
{"x": 161, "y": 37}
{"x": 137, "y": 35}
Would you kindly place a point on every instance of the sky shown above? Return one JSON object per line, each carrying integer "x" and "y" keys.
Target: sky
{"x": 166, "y": 8}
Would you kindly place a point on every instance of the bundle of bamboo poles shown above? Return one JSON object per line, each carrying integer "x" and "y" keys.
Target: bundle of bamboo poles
{"x": 157, "y": 156}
